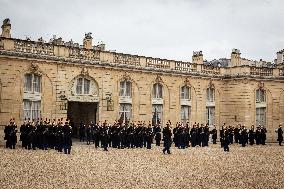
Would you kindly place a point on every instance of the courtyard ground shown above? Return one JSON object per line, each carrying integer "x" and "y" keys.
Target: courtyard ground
{"x": 87, "y": 167}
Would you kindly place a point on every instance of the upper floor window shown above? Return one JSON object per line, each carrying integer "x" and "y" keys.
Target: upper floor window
{"x": 157, "y": 90}
{"x": 185, "y": 93}
{"x": 32, "y": 83}
{"x": 125, "y": 88}
{"x": 83, "y": 86}
{"x": 210, "y": 95}
{"x": 260, "y": 95}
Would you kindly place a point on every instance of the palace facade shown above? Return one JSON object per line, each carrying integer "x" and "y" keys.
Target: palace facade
{"x": 84, "y": 83}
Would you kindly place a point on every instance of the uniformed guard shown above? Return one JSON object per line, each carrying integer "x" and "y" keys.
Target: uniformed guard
{"x": 214, "y": 134}
{"x": 280, "y": 135}
{"x": 167, "y": 138}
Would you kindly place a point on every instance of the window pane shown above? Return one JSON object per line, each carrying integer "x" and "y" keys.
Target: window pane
{"x": 157, "y": 112}
{"x": 122, "y": 88}
{"x": 28, "y": 82}
{"x": 79, "y": 86}
{"x": 125, "y": 112}
{"x": 27, "y": 109}
{"x": 36, "y": 110}
{"x": 36, "y": 83}
{"x": 128, "y": 89}
{"x": 86, "y": 86}
{"x": 160, "y": 91}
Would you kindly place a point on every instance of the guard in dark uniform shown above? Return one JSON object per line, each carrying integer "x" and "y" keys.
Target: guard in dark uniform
{"x": 67, "y": 141}
{"x": 214, "y": 134}
{"x": 167, "y": 137}
{"x": 158, "y": 135}
{"x": 251, "y": 135}
{"x": 280, "y": 135}
{"x": 226, "y": 140}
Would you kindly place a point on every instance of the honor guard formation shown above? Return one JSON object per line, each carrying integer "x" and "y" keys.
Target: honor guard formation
{"x": 39, "y": 134}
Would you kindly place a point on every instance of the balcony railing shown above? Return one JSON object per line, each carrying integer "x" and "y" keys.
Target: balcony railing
{"x": 126, "y": 59}
{"x": 185, "y": 66}
{"x": 87, "y": 54}
{"x": 257, "y": 71}
{"x": 34, "y": 47}
{"x": 213, "y": 70}
{"x": 158, "y": 63}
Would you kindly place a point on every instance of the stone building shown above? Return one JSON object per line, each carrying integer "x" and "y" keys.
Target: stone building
{"x": 58, "y": 79}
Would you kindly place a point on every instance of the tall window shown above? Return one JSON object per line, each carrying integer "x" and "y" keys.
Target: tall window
{"x": 185, "y": 93}
{"x": 260, "y": 95}
{"x": 157, "y": 113}
{"x": 185, "y": 114}
{"x": 32, "y": 83}
{"x": 210, "y": 115}
{"x": 157, "y": 90}
{"x": 32, "y": 109}
{"x": 210, "y": 94}
{"x": 261, "y": 116}
{"x": 125, "y": 88}
{"x": 124, "y": 112}
{"x": 83, "y": 86}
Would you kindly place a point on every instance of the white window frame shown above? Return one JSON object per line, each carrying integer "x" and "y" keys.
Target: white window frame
{"x": 210, "y": 95}
{"x": 185, "y": 93}
{"x": 125, "y": 89}
{"x": 31, "y": 112}
{"x": 159, "y": 110}
{"x": 158, "y": 91}
{"x": 260, "y": 96}
{"x": 82, "y": 86}
{"x": 185, "y": 117}
{"x": 123, "y": 110}
{"x": 260, "y": 117}
{"x": 210, "y": 115}
{"x": 34, "y": 85}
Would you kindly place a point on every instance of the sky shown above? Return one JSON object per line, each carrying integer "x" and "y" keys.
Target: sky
{"x": 170, "y": 29}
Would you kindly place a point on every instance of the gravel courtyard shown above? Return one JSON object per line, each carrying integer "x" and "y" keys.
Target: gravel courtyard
{"x": 87, "y": 167}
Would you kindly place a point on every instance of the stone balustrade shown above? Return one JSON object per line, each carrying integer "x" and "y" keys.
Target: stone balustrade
{"x": 261, "y": 71}
{"x": 212, "y": 70}
{"x": 63, "y": 51}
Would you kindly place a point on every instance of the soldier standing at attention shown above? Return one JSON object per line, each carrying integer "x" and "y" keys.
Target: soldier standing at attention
{"x": 214, "y": 134}
{"x": 167, "y": 137}
{"x": 280, "y": 135}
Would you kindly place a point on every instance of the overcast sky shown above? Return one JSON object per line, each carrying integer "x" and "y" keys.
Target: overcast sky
{"x": 157, "y": 28}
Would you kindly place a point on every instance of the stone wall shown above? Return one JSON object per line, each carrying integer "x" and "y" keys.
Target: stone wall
{"x": 235, "y": 97}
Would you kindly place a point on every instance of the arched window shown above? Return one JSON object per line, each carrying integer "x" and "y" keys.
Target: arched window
{"x": 125, "y": 88}
{"x": 32, "y": 83}
{"x": 185, "y": 93}
{"x": 260, "y": 95}
{"x": 157, "y": 90}
{"x": 210, "y": 94}
{"x": 83, "y": 86}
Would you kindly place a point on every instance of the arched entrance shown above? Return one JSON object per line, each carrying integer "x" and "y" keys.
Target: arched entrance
{"x": 83, "y": 100}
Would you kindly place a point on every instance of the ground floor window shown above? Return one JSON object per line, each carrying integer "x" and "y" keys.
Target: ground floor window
{"x": 185, "y": 114}
{"x": 32, "y": 109}
{"x": 210, "y": 115}
{"x": 157, "y": 113}
{"x": 124, "y": 112}
{"x": 260, "y": 116}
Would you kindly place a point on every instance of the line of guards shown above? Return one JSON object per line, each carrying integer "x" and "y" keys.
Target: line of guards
{"x": 46, "y": 134}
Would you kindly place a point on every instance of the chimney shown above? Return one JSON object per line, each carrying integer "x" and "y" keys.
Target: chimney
{"x": 235, "y": 58}
{"x": 88, "y": 40}
{"x": 6, "y": 28}
{"x": 197, "y": 57}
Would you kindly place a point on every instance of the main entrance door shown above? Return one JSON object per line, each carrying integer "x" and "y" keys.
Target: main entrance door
{"x": 82, "y": 112}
